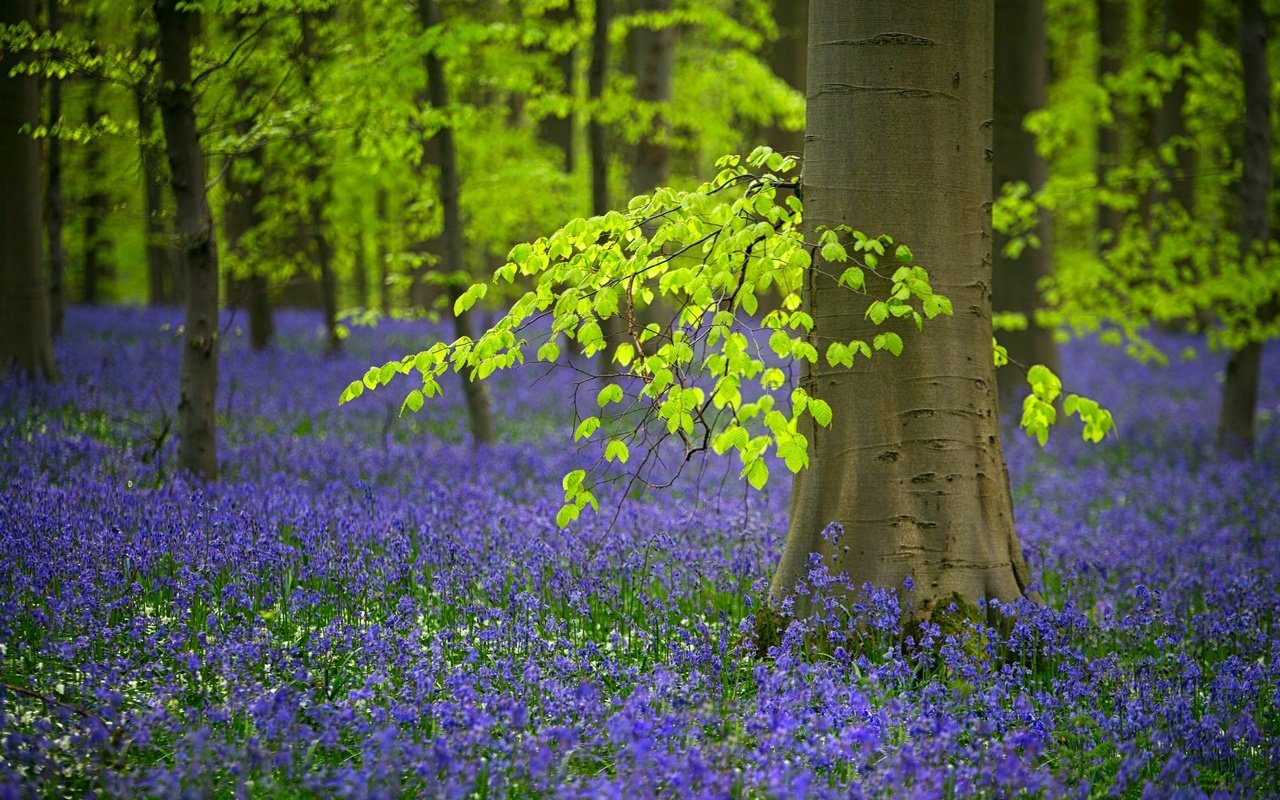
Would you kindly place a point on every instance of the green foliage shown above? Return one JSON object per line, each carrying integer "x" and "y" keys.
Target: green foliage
{"x": 708, "y": 256}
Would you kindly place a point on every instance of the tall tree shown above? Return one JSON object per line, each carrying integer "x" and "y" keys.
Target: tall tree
{"x": 160, "y": 267}
{"x": 790, "y": 59}
{"x": 55, "y": 211}
{"x": 653, "y": 50}
{"x": 25, "y": 335}
{"x": 900, "y": 95}
{"x": 1182, "y": 20}
{"x": 198, "y": 374}
{"x": 317, "y": 188}
{"x": 1111, "y": 29}
{"x": 96, "y": 204}
{"x": 444, "y": 152}
{"x": 1240, "y": 389}
{"x": 1020, "y": 85}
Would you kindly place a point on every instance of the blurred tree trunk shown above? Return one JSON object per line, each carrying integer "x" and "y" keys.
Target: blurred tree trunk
{"x": 1240, "y": 390}
{"x": 442, "y": 148}
{"x": 26, "y": 340}
{"x": 789, "y": 61}
{"x": 96, "y": 204}
{"x": 1020, "y": 88}
{"x": 556, "y": 129}
{"x": 1111, "y": 28}
{"x": 900, "y": 97}
{"x": 654, "y": 53}
{"x": 198, "y": 375}
{"x": 55, "y": 207}
{"x": 614, "y": 328}
{"x": 384, "y": 269}
{"x": 318, "y": 190}
{"x": 161, "y": 285}
{"x": 247, "y": 285}
{"x": 1181, "y": 18}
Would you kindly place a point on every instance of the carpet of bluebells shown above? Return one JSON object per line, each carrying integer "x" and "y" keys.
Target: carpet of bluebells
{"x": 365, "y": 606}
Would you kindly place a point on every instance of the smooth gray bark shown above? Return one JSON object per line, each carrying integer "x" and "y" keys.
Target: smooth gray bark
{"x": 897, "y": 138}
{"x": 26, "y": 340}
{"x": 197, "y": 250}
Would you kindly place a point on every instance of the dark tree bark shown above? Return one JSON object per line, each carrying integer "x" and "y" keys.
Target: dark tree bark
{"x": 1111, "y": 27}
{"x": 655, "y": 54}
{"x": 55, "y": 209}
{"x": 1020, "y": 88}
{"x": 318, "y": 190}
{"x": 479, "y": 406}
{"x": 596, "y": 74}
{"x": 900, "y": 97}
{"x": 789, "y": 60}
{"x": 1183, "y": 18}
{"x": 162, "y": 278}
{"x": 198, "y": 374}
{"x": 94, "y": 207}
{"x": 251, "y": 289}
{"x": 26, "y": 340}
{"x": 384, "y": 271}
{"x": 1240, "y": 390}
{"x": 555, "y": 129}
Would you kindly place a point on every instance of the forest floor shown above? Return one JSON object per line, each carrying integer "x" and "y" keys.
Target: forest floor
{"x": 365, "y": 606}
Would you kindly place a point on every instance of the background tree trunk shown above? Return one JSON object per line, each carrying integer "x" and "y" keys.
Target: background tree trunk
{"x": 94, "y": 206}
{"x": 900, "y": 98}
{"x": 596, "y": 74}
{"x": 559, "y": 130}
{"x": 25, "y": 334}
{"x": 654, "y": 53}
{"x": 55, "y": 209}
{"x": 1111, "y": 27}
{"x": 789, "y": 61}
{"x": 316, "y": 185}
{"x": 1020, "y": 88}
{"x": 1240, "y": 390}
{"x": 198, "y": 375}
{"x": 479, "y": 407}
{"x": 1181, "y": 17}
{"x": 160, "y": 257}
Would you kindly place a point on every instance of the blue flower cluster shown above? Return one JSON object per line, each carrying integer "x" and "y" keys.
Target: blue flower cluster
{"x": 364, "y": 606}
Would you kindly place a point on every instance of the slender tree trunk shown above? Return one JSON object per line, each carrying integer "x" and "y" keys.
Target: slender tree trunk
{"x": 596, "y": 74}
{"x": 55, "y": 211}
{"x": 1111, "y": 19}
{"x": 559, "y": 129}
{"x": 198, "y": 375}
{"x": 1183, "y": 18}
{"x": 1020, "y": 88}
{"x": 900, "y": 97}
{"x": 655, "y": 55}
{"x": 384, "y": 270}
{"x": 479, "y": 406}
{"x": 360, "y": 272}
{"x": 26, "y": 340}
{"x": 318, "y": 196}
{"x": 1240, "y": 390}
{"x": 789, "y": 60}
{"x": 95, "y": 205}
{"x": 160, "y": 257}
{"x": 613, "y": 328}
{"x": 244, "y": 185}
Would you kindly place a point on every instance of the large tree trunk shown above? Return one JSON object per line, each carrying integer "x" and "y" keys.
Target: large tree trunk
{"x": 789, "y": 61}
{"x": 897, "y": 140}
{"x": 1021, "y": 75}
{"x": 1111, "y": 27}
{"x": 197, "y": 251}
{"x": 1240, "y": 390}
{"x": 55, "y": 210}
{"x": 479, "y": 407}
{"x": 25, "y": 336}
